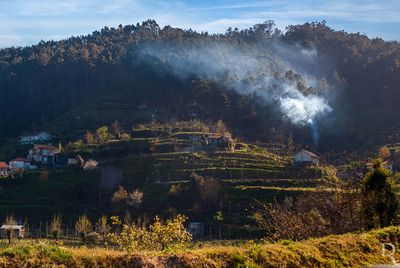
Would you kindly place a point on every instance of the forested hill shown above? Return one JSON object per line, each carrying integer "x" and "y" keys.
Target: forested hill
{"x": 348, "y": 84}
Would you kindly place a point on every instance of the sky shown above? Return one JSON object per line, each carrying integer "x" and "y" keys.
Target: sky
{"x": 26, "y": 22}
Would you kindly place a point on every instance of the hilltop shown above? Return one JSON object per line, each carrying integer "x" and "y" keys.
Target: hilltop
{"x": 128, "y": 74}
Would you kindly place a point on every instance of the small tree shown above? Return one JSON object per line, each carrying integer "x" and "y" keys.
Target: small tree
{"x": 221, "y": 128}
{"x": 55, "y": 226}
{"x": 330, "y": 176}
{"x": 126, "y": 199}
{"x": 102, "y": 134}
{"x": 26, "y": 228}
{"x": 83, "y": 226}
{"x": 135, "y": 198}
{"x": 208, "y": 189}
{"x": 219, "y": 218}
{"x": 379, "y": 199}
{"x": 102, "y": 227}
{"x": 128, "y": 218}
{"x": 116, "y": 129}
{"x": 89, "y": 138}
{"x": 9, "y": 222}
{"x": 119, "y": 195}
{"x": 384, "y": 152}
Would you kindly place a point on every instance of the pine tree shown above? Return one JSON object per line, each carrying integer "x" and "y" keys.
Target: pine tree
{"x": 379, "y": 199}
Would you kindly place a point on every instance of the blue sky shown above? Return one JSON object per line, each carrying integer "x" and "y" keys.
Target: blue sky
{"x": 26, "y": 22}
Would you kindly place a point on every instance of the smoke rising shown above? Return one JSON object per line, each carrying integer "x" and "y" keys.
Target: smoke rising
{"x": 274, "y": 73}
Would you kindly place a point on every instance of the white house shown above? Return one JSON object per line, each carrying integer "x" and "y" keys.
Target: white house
{"x": 39, "y": 137}
{"x": 217, "y": 140}
{"x": 305, "y": 157}
{"x": 21, "y": 163}
{"x": 18, "y": 230}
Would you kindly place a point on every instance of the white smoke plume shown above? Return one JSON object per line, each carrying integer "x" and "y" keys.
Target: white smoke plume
{"x": 263, "y": 73}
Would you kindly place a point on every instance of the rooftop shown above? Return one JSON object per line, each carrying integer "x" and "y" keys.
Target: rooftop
{"x": 13, "y": 226}
{"x": 21, "y": 159}
{"x": 43, "y": 147}
{"x": 35, "y": 134}
{"x": 3, "y": 165}
{"x": 309, "y": 153}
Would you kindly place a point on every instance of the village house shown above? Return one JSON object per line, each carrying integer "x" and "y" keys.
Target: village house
{"x": 217, "y": 140}
{"x": 3, "y": 170}
{"x": 305, "y": 157}
{"x": 44, "y": 155}
{"x": 21, "y": 163}
{"x": 39, "y": 137}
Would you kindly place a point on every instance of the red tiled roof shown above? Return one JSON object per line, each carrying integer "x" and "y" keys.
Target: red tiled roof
{"x": 21, "y": 159}
{"x": 43, "y": 147}
{"x": 3, "y": 165}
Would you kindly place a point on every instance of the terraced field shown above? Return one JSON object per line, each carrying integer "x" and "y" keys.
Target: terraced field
{"x": 159, "y": 166}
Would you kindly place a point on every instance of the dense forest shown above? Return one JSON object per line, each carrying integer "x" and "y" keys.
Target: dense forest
{"x": 182, "y": 74}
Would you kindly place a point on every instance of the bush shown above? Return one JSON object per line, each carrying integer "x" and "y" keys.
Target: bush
{"x": 93, "y": 238}
{"x": 125, "y": 137}
{"x": 159, "y": 236}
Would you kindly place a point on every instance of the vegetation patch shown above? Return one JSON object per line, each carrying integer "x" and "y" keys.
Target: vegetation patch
{"x": 331, "y": 251}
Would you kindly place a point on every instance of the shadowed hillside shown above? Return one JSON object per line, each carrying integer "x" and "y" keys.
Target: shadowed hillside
{"x": 131, "y": 74}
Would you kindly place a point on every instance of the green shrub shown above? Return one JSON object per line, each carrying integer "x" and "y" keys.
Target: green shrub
{"x": 55, "y": 253}
{"x": 160, "y": 236}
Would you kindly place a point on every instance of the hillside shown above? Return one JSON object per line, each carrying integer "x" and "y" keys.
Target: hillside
{"x": 162, "y": 147}
{"x": 173, "y": 168}
{"x": 138, "y": 73}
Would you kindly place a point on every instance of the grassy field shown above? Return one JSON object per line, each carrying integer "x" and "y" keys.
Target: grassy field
{"x": 348, "y": 250}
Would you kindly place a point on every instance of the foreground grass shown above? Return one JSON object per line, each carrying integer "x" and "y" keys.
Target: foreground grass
{"x": 349, "y": 250}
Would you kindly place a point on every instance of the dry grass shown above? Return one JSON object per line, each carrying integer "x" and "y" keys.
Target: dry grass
{"x": 349, "y": 250}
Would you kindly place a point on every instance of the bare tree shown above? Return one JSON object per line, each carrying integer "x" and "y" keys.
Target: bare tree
{"x": 208, "y": 188}
{"x": 135, "y": 198}
{"x": 221, "y": 128}
{"x": 119, "y": 195}
{"x": 311, "y": 215}
{"x": 9, "y": 222}
{"x": 102, "y": 227}
{"x": 89, "y": 138}
{"x": 83, "y": 226}
{"x": 124, "y": 198}
{"x": 116, "y": 129}
{"x": 55, "y": 226}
